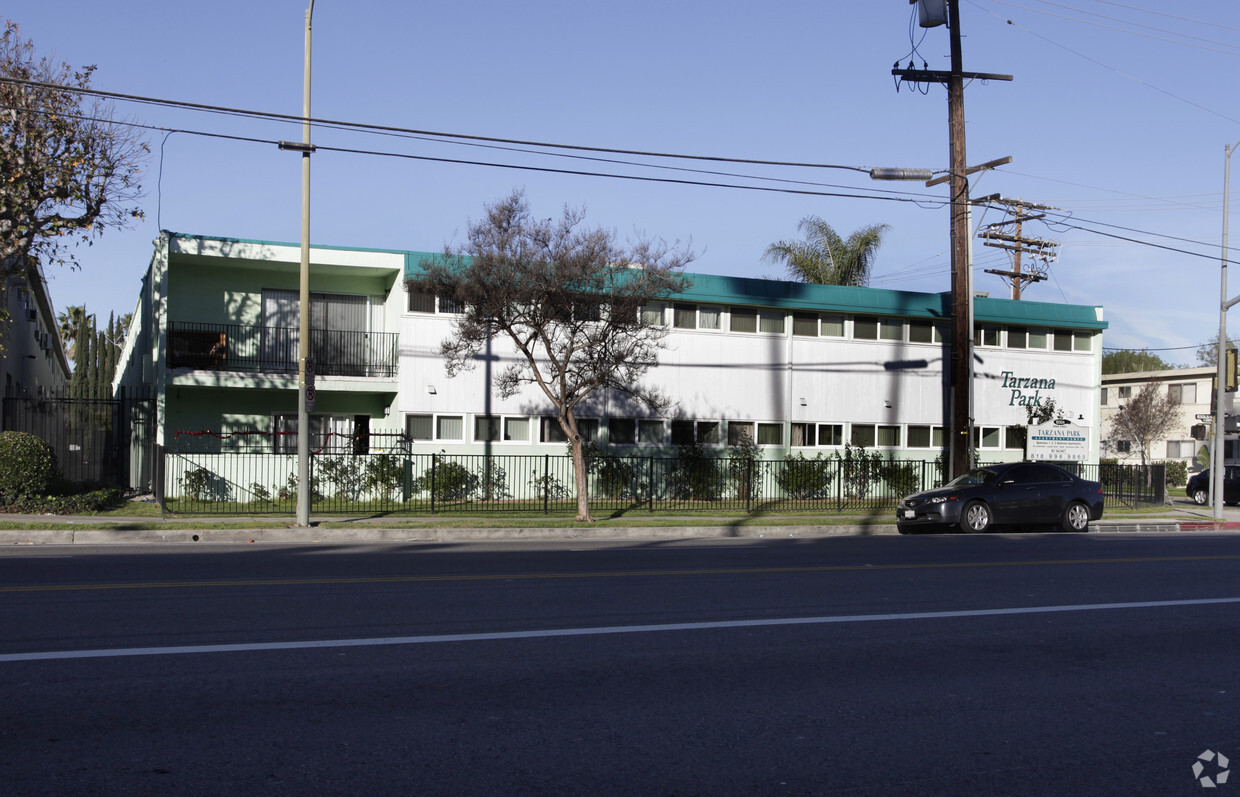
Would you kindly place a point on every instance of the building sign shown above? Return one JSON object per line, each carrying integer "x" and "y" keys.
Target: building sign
{"x": 1026, "y": 391}
{"x": 1059, "y": 440}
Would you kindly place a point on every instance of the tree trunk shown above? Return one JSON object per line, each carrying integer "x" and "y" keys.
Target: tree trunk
{"x": 580, "y": 476}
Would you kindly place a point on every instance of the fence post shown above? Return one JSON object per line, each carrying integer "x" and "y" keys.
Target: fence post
{"x": 650, "y": 483}
{"x": 546, "y": 483}
{"x": 748, "y": 484}
{"x": 158, "y": 466}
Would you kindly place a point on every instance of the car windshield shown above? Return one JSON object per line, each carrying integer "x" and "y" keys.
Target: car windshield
{"x": 975, "y": 476}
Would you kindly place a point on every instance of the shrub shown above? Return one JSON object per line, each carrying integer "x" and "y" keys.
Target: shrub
{"x": 27, "y": 465}
{"x": 803, "y": 478}
{"x": 901, "y": 477}
{"x": 451, "y": 481}
{"x": 346, "y": 473}
{"x": 385, "y": 474}
{"x": 1177, "y": 472}
{"x": 695, "y": 474}
{"x": 743, "y": 467}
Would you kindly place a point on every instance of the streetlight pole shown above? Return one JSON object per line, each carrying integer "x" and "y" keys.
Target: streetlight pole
{"x": 1220, "y": 387}
{"x": 303, "y": 309}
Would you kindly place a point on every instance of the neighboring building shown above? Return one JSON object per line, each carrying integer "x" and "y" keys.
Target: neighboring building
{"x": 34, "y": 358}
{"x": 1192, "y": 389}
{"x": 798, "y": 368}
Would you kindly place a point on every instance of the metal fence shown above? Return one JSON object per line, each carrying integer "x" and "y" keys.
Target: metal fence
{"x": 247, "y": 482}
{"x": 95, "y": 440}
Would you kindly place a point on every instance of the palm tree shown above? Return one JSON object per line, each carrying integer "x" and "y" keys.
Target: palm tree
{"x": 824, "y": 258}
{"x": 68, "y": 322}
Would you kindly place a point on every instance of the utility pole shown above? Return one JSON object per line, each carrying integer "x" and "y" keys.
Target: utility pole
{"x": 1042, "y": 252}
{"x": 932, "y": 14}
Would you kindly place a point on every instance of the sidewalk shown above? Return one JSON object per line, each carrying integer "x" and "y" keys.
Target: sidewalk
{"x": 1181, "y": 516}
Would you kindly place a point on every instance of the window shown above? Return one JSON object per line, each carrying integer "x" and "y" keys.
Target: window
{"x": 450, "y": 427}
{"x": 517, "y": 429}
{"x": 486, "y": 429}
{"x": 987, "y": 437}
{"x": 1063, "y": 340}
{"x": 1015, "y": 437}
{"x": 865, "y": 328}
{"x": 740, "y": 433}
{"x": 685, "y": 316}
{"x": 771, "y": 321}
{"x": 652, "y": 314}
{"x": 708, "y": 433}
{"x": 1037, "y": 338}
{"x": 421, "y": 302}
{"x": 1104, "y": 396}
{"x": 419, "y": 427}
{"x": 832, "y": 326}
{"x": 1082, "y": 341}
{"x": 744, "y": 320}
{"x": 804, "y": 325}
{"x": 871, "y": 328}
{"x": 1183, "y": 394}
{"x": 988, "y": 335}
{"x": 830, "y": 434}
{"x": 770, "y": 434}
{"x": 1123, "y": 446}
{"x": 803, "y": 434}
{"x": 1181, "y": 449}
{"x": 622, "y": 431}
{"x": 925, "y": 436}
{"x": 1125, "y": 392}
{"x": 682, "y": 433}
{"x": 709, "y": 317}
{"x": 334, "y": 434}
{"x": 890, "y": 329}
{"x": 650, "y": 432}
{"x": 1018, "y": 338}
{"x": 924, "y": 332}
{"x": 550, "y": 431}
{"x": 889, "y": 436}
{"x": 870, "y": 435}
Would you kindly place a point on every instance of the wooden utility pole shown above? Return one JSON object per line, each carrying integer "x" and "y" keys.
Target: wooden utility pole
{"x": 1039, "y": 249}
{"x": 959, "y": 377}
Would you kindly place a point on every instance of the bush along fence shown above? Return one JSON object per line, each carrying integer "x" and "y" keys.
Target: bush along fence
{"x": 343, "y": 482}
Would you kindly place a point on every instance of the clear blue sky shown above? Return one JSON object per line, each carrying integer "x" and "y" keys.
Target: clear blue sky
{"x": 1119, "y": 115}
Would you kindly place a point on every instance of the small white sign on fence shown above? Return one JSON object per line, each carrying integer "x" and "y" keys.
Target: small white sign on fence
{"x": 1058, "y": 441}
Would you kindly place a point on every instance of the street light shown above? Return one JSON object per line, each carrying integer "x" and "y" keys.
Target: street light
{"x": 1220, "y": 387}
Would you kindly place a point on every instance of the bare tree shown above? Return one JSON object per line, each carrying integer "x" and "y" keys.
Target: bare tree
{"x": 1148, "y": 416}
{"x": 568, "y": 299}
{"x": 67, "y": 170}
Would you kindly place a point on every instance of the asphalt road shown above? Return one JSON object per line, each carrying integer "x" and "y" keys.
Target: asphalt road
{"x": 1036, "y": 664}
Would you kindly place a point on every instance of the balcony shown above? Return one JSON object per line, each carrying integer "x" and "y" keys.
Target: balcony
{"x": 273, "y": 350}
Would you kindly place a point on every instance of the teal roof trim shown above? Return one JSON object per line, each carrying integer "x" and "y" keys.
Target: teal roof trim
{"x": 753, "y": 292}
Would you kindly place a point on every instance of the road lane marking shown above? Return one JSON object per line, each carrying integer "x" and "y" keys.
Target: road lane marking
{"x": 249, "y": 647}
{"x": 723, "y": 571}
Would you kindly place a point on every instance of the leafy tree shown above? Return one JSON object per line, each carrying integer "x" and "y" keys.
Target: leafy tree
{"x": 1207, "y": 353}
{"x": 1148, "y": 416}
{"x": 569, "y": 300}
{"x": 1131, "y": 361}
{"x": 67, "y": 171}
{"x": 824, "y": 258}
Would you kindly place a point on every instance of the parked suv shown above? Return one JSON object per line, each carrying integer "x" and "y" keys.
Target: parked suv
{"x": 1200, "y": 484}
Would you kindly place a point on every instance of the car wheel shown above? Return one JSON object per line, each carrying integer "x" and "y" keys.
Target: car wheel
{"x": 1076, "y": 517}
{"x": 975, "y": 518}
{"x": 1200, "y": 497}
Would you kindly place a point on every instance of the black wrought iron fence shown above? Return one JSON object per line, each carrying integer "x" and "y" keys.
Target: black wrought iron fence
{"x": 394, "y": 481}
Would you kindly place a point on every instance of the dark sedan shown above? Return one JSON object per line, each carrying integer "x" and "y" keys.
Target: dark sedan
{"x": 1016, "y": 493}
{"x": 1199, "y": 486}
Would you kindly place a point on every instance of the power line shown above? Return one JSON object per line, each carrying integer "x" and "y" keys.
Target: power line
{"x": 365, "y": 127}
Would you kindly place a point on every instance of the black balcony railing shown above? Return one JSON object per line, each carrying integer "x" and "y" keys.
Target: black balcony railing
{"x": 274, "y": 350}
